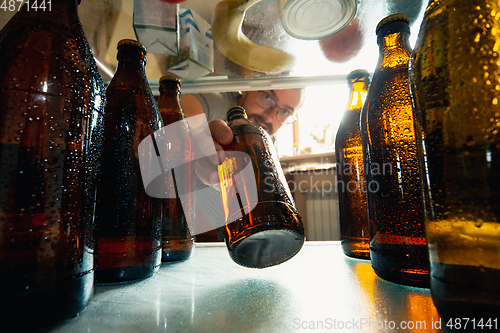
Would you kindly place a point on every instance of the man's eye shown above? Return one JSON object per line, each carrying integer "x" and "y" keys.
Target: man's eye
{"x": 268, "y": 97}
{"x": 285, "y": 112}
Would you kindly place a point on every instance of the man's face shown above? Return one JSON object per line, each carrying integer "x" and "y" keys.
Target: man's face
{"x": 286, "y": 100}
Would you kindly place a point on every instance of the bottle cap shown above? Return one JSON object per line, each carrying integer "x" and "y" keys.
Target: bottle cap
{"x": 132, "y": 42}
{"x": 392, "y": 18}
{"x": 236, "y": 112}
{"x": 306, "y": 19}
{"x": 357, "y": 73}
{"x": 170, "y": 78}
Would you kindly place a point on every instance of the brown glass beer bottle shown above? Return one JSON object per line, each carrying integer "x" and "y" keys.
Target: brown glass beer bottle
{"x": 455, "y": 81}
{"x": 51, "y": 121}
{"x": 264, "y": 230}
{"x": 351, "y": 185}
{"x": 398, "y": 249}
{"x": 128, "y": 221}
{"x": 177, "y": 242}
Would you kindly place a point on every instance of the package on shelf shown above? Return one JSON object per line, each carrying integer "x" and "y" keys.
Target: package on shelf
{"x": 195, "y": 56}
{"x": 156, "y": 25}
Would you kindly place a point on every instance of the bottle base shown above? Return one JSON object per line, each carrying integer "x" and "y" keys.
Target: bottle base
{"x": 466, "y": 292}
{"x": 177, "y": 249}
{"x": 356, "y": 248}
{"x": 119, "y": 261}
{"x": 266, "y": 248}
{"x": 34, "y": 302}
{"x": 125, "y": 274}
{"x": 271, "y": 234}
{"x": 392, "y": 263}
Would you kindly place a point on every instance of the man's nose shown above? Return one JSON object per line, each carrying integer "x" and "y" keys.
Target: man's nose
{"x": 270, "y": 114}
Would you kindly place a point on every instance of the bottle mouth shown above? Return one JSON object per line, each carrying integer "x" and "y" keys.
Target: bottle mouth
{"x": 169, "y": 78}
{"x": 275, "y": 235}
{"x": 357, "y": 74}
{"x": 236, "y": 112}
{"x": 392, "y": 18}
{"x": 267, "y": 248}
{"x": 131, "y": 42}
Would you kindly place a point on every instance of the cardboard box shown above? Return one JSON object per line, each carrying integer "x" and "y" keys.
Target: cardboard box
{"x": 156, "y": 25}
{"x": 196, "y": 54}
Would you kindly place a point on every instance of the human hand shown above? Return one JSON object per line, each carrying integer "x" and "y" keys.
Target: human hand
{"x": 206, "y": 168}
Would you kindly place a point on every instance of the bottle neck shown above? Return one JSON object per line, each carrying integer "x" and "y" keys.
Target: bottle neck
{"x": 236, "y": 113}
{"x": 394, "y": 45}
{"x": 131, "y": 62}
{"x": 170, "y": 93}
{"x": 359, "y": 89}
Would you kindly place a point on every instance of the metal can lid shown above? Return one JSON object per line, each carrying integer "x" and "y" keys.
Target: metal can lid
{"x": 392, "y": 18}
{"x": 131, "y": 42}
{"x": 306, "y": 19}
{"x": 170, "y": 78}
{"x": 358, "y": 73}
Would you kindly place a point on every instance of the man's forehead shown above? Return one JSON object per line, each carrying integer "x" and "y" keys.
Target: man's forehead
{"x": 291, "y": 97}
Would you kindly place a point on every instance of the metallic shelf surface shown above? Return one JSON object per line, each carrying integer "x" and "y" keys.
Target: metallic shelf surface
{"x": 320, "y": 289}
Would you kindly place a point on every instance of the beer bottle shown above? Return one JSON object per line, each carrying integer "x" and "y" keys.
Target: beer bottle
{"x": 398, "y": 249}
{"x": 350, "y": 172}
{"x": 271, "y": 232}
{"x": 455, "y": 86}
{"x": 128, "y": 221}
{"x": 177, "y": 242}
{"x": 51, "y": 121}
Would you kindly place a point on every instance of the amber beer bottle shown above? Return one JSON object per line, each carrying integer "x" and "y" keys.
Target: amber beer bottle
{"x": 177, "y": 241}
{"x": 51, "y": 120}
{"x": 398, "y": 249}
{"x": 128, "y": 221}
{"x": 455, "y": 86}
{"x": 351, "y": 184}
{"x": 272, "y": 232}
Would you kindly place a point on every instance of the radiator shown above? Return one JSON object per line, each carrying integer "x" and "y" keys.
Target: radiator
{"x": 322, "y": 222}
